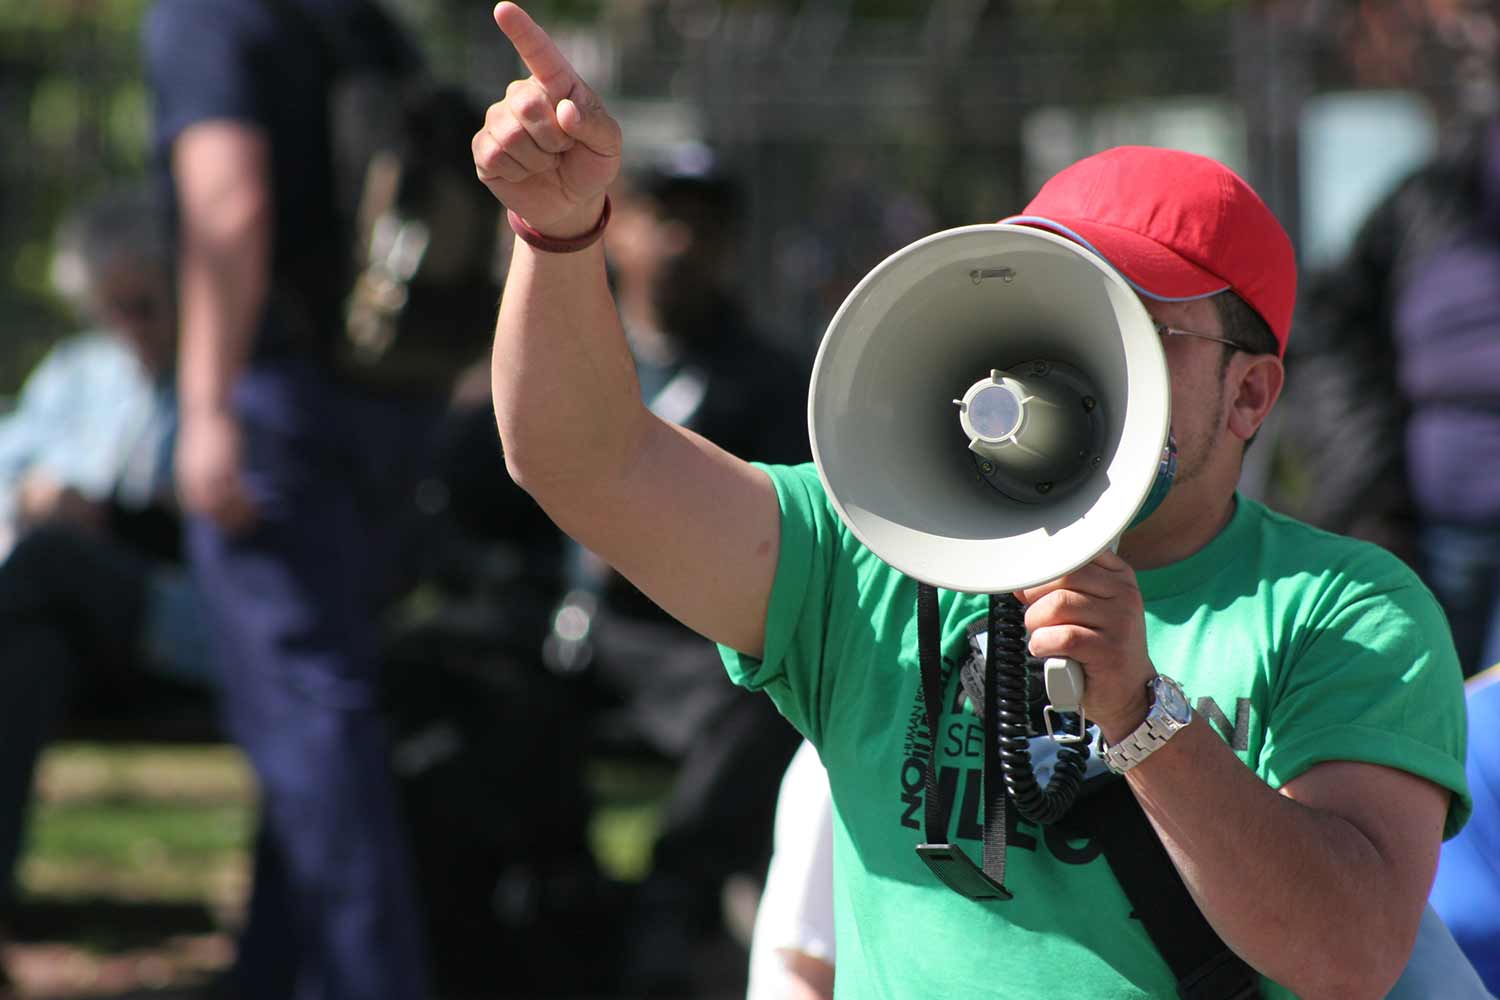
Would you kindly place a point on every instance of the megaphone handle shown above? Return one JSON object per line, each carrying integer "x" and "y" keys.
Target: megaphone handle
{"x": 1064, "y": 678}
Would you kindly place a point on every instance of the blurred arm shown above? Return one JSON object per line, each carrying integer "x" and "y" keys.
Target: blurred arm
{"x": 223, "y": 172}
{"x": 42, "y": 499}
{"x": 224, "y": 197}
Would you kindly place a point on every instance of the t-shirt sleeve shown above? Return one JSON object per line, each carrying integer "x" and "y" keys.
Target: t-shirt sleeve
{"x": 791, "y": 667}
{"x": 1374, "y": 678}
{"x": 200, "y": 62}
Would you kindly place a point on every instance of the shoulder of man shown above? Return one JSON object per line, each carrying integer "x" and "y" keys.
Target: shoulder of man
{"x": 1305, "y": 548}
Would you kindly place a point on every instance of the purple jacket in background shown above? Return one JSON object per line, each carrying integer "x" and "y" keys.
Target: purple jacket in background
{"x": 1447, "y": 332}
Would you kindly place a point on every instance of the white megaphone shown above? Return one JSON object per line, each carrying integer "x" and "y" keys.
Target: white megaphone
{"x": 989, "y": 411}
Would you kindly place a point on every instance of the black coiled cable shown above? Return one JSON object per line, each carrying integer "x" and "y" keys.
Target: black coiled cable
{"x": 1007, "y": 650}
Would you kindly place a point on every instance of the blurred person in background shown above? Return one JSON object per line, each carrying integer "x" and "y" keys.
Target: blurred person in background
{"x": 792, "y": 949}
{"x": 1396, "y": 376}
{"x": 1466, "y": 892}
{"x": 701, "y": 364}
{"x": 92, "y": 593}
{"x": 296, "y": 479}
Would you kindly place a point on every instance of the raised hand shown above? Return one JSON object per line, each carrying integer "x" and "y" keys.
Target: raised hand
{"x": 549, "y": 149}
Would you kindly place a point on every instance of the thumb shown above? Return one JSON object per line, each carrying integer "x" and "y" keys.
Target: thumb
{"x": 586, "y": 121}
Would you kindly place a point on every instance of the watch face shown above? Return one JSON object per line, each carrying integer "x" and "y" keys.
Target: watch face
{"x": 1171, "y": 699}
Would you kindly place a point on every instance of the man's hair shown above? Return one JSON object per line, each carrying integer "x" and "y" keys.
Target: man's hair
{"x": 128, "y": 224}
{"x": 691, "y": 184}
{"x": 1244, "y": 326}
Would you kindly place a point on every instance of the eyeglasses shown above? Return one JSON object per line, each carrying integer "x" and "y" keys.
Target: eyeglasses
{"x": 1163, "y": 330}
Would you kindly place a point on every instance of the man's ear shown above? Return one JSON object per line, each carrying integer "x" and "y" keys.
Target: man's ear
{"x": 1256, "y": 381}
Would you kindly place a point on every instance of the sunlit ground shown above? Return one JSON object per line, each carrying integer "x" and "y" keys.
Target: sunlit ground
{"x": 136, "y": 870}
{"x": 137, "y": 866}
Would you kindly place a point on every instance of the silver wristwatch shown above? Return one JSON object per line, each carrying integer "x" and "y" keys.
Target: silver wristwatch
{"x": 1169, "y": 712}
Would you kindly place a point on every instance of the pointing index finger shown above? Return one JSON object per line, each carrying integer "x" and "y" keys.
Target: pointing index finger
{"x": 537, "y": 50}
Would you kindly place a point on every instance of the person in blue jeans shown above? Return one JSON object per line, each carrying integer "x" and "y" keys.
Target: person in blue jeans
{"x": 93, "y": 597}
{"x": 297, "y": 482}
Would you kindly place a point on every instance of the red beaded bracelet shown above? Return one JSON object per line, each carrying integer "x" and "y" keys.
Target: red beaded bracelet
{"x": 555, "y": 244}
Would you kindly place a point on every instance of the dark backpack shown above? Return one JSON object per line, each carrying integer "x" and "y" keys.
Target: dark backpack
{"x": 419, "y": 284}
{"x": 423, "y": 232}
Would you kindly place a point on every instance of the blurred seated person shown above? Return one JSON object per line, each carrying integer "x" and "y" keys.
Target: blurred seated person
{"x": 90, "y": 592}
{"x": 701, "y": 364}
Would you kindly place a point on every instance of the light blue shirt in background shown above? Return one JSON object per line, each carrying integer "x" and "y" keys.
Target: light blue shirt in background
{"x": 90, "y": 417}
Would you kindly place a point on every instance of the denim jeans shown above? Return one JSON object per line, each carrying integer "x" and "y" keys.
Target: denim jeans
{"x": 293, "y": 608}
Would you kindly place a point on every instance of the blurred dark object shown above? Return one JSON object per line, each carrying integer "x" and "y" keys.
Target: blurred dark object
{"x": 490, "y": 772}
{"x": 489, "y": 748}
{"x": 417, "y": 239}
{"x": 421, "y": 305}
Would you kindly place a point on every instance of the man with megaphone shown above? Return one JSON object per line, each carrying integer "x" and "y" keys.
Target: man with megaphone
{"x": 1284, "y": 705}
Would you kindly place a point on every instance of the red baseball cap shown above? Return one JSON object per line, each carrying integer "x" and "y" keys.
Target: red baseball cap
{"x": 1176, "y": 225}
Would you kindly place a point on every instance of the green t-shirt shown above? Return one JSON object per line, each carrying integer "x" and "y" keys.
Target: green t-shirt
{"x": 1297, "y": 645}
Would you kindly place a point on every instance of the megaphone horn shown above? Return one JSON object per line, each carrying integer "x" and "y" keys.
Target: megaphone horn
{"x": 989, "y": 407}
{"x": 1063, "y": 417}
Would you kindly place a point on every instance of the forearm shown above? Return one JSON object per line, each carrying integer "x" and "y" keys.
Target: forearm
{"x": 223, "y": 288}
{"x": 567, "y": 400}
{"x": 1300, "y": 893}
{"x": 224, "y": 264}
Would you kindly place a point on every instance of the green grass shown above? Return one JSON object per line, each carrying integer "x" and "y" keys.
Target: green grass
{"x": 138, "y": 850}
{"x": 138, "y": 863}
{"x": 628, "y": 796}
{"x": 176, "y": 823}
{"x": 171, "y": 824}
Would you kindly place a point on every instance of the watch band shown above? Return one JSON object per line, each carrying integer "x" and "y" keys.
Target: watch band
{"x": 1140, "y": 744}
{"x": 1158, "y": 727}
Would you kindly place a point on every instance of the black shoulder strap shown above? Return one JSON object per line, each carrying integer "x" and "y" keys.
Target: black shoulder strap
{"x": 1205, "y": 967}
